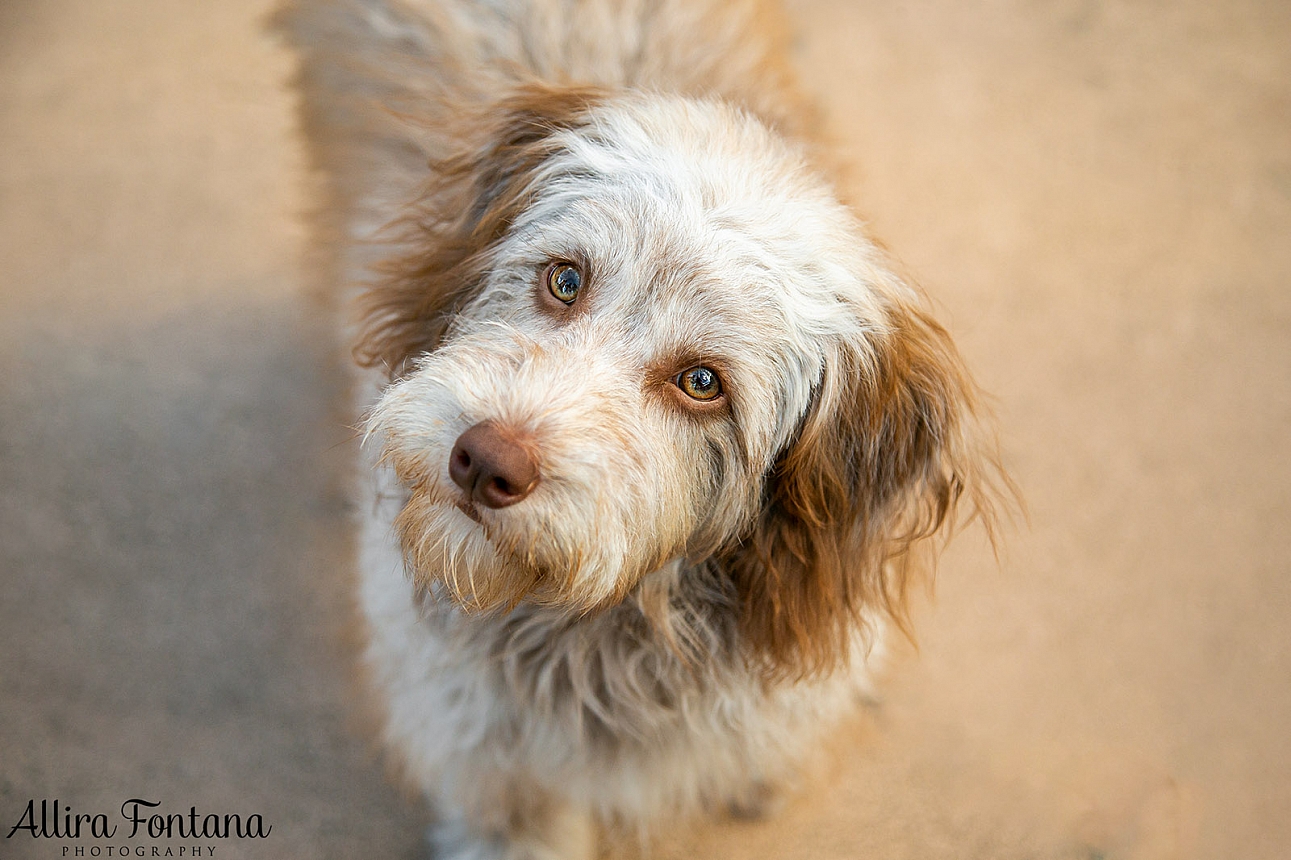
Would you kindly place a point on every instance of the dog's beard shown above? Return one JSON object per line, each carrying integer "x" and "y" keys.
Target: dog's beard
{"x": 443, "y": 544}
{"x": 485, "y": 569}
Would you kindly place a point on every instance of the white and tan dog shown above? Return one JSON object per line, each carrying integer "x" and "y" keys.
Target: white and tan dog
{"x": 655, "y": 426}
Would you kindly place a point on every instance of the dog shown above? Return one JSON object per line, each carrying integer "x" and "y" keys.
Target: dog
{"x": 654, "y": 432}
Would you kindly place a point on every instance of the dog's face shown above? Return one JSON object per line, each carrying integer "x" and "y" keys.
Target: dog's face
{"x": 632, "y": 329}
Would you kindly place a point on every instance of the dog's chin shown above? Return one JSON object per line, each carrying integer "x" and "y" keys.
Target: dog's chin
{"x": 447, "y": 543}
{"x": 483, "y": 569}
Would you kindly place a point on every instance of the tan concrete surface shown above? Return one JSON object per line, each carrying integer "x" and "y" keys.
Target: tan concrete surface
{"x": 1098, "y": 195}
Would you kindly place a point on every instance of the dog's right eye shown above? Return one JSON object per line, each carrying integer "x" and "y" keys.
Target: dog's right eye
{"x": 700, "y": 383}
{"x": 563, "y": 281}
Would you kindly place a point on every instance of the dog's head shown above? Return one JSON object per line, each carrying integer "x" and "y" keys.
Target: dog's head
{"x": 628, "y": 329}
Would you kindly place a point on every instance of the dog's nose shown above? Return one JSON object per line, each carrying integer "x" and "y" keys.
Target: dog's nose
{"x": 492, "y": 468}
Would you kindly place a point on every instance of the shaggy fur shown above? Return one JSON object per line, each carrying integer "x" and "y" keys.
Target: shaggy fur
{"x": 693, "y": 587}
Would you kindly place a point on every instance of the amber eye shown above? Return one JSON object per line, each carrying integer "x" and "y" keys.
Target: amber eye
{"x": 564, "y": 281}
{"x": 701, "y": 383}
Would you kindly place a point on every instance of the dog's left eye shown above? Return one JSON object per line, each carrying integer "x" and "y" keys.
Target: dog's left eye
{"x": 700, "y": 383}
{"x": 564, "y": 281}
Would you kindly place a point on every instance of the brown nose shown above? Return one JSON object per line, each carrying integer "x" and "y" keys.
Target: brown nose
{"x": 491, "y": 467}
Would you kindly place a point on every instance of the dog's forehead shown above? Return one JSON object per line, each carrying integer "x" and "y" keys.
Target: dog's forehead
{"x": 694, "y": 209}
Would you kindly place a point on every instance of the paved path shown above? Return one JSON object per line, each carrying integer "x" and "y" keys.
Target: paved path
{"x": 1097, "y": 194}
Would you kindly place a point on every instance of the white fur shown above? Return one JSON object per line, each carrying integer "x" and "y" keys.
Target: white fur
{"x": 618, "y": 690}
{"x": 483, "y": 709}
{"x": 597, "y": 714}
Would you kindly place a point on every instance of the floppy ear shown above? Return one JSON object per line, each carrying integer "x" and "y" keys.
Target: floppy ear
{"x": 882, "y": 459}
{"x": 409, "y": 135}
{"x": 468, "y": 202}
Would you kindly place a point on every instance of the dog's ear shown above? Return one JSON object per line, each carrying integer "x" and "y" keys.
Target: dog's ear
{"x": 410, "y": 135}
{"x": 881, "y": 460}
{"x": 468, "y": 202}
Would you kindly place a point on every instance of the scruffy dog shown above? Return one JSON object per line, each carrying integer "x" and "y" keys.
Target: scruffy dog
{"x": 655, "y": 429}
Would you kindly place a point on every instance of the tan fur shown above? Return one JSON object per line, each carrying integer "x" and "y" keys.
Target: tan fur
{"x": 882, "y": 461}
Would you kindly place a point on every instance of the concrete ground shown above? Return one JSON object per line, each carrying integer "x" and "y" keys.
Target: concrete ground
{"x": 1098, "y": 195}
